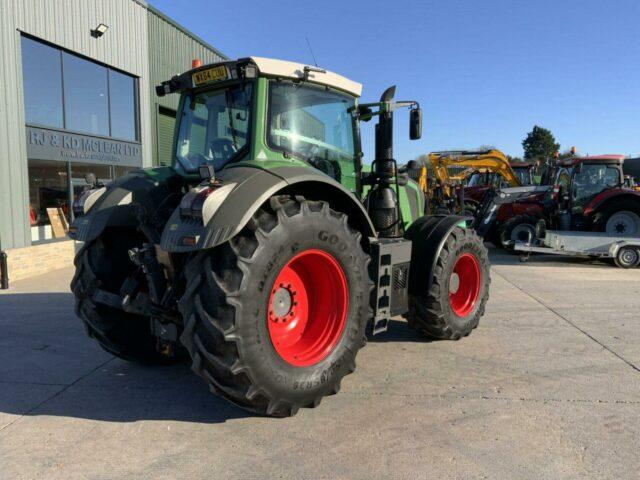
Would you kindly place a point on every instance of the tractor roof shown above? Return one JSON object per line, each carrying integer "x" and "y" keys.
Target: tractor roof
{"x": 612, "y": 159}
{"x": 522, "y": 164}
{"x": 231, "y": 70}
{"x": 298, "y": 71}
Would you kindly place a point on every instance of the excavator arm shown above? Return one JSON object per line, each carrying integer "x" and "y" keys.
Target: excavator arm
{"x": 491, "y": 160}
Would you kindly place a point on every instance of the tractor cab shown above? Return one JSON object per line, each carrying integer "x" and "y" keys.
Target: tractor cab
{"x": 268, "y": 111}
{"x": 582, "y": 180}
{"x": 524, "y": 172}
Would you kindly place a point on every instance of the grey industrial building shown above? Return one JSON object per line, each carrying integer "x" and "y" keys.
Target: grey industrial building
{"x": 77, "y": 96}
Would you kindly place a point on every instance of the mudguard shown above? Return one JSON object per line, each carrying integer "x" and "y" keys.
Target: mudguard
{"x": 602, "y": 198}
{"x": 226, "y": 212}
{"x": 427, "y": 235}
{"x": 113, "y": 208}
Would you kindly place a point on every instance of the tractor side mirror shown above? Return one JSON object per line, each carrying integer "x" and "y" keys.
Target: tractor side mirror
{"x": 415, "y": 123}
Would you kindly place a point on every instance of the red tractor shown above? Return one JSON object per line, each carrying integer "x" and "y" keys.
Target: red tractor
{"x": 588, "y": 194}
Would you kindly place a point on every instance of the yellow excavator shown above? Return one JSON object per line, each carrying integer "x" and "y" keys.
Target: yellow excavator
{"x": 447, "y": 191}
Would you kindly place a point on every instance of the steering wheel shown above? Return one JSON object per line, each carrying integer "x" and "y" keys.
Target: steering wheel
{"x": 222, "y": 148}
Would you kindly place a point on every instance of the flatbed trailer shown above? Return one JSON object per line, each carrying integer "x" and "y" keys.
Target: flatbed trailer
{"x": 625, "y": 251}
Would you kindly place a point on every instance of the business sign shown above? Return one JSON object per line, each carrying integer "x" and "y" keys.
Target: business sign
{"x": 47, "y": 144}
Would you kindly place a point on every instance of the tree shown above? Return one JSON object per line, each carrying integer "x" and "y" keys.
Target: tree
{"x": 514, "y": 159}
{"x": 485, "y": 147}
{"x": 539, "y": 143}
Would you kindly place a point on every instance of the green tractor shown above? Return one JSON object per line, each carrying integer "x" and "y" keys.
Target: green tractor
{"x": 268, "y": 251}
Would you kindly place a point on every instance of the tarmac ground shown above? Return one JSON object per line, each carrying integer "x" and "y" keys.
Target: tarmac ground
{"x": 548, "y": 386}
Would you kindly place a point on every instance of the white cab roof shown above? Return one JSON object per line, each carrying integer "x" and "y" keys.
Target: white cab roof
{"x": 282, "y": 68}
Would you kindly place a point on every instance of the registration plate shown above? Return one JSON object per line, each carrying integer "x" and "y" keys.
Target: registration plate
{"x": 213, "y": 74}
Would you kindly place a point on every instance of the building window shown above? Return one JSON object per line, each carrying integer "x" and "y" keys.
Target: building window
{"x": 51, "y": 191}
{"x": 42, "y": 77}
{"x": 63, "y": 90}
{"x": 120, "y": 171}
{"x": 79, "y": 172}
{"x": 48, "y": 197}
{"x": 122, "y": 103}
{"x": 86, "y": 96}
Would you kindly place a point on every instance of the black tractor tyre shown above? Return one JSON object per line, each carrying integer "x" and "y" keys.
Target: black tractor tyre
{"x": 470, "y": 209}
{"x": 104, "y": 263}
{"x": 432, "y": 312}
{"x": 505, "y": 231}
{"x": 228, "y": 300}
{"x": 602, "y": 216}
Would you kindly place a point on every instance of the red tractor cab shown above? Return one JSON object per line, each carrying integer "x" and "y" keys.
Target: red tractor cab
{"x": 588, "y": 194}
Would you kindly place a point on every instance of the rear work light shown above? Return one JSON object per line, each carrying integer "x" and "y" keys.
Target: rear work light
{"x": 204, "y": 200}
{"x": 193, "y": 202}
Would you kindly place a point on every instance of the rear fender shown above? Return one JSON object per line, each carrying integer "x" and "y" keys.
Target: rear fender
{"x": 428, "y": 235}
{"x": 226, "y": 213}
{"x": 114, "y": 206}
{"x": 603, "y": 198}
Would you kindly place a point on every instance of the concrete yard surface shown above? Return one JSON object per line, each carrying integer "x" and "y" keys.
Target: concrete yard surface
{"x": 547, "y": 387}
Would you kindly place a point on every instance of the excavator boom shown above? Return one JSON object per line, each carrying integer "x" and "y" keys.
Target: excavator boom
{"x": 491, "y": 160}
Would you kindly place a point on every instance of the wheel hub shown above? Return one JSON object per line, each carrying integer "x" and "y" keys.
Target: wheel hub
{"x": 629, "y": 256}
{"x": 623, "y": 223}
{"x": 281, "y": 303}
{"x": 464, "y": 284}
{"x": 454, "y": 283}
{"x": 307, "y": 308}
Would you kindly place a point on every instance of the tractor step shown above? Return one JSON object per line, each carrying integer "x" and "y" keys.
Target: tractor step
{"x": 392, "y": 259}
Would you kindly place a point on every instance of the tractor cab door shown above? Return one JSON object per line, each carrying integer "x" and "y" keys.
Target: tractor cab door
{"x": 590, "y": 179}
{"x": 315, "y": 124}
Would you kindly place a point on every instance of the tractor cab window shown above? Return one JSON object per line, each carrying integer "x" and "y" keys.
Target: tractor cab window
{"x": 592, "y": 179}
{"x": 477, "y": 179}
{"x": 312, "y": 123}
{"x": 524, "y": 176}
{"x": 563, "y": 178}
{"x": 214, "y": 126}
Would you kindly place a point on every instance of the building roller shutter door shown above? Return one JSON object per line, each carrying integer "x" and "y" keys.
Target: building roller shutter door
{"x": 166, "y": 124}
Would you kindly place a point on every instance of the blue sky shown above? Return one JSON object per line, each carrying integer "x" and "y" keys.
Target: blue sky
{"x": 484, "y": 71}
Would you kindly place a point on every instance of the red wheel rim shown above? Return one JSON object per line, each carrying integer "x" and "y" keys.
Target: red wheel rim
{"x": 307, "y": 308}
{"x": 464, "y": 284}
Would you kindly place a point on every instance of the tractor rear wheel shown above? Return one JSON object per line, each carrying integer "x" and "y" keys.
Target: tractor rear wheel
{"x": 274, "y": 318}
{"x": 455, "y": 300}
{"x": 104, "y": 263}
{"x": 619, "y": 218}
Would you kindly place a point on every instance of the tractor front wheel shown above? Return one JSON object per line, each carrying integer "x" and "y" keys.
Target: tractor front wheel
{"x": 274, "y": 318}
{"x": 521, "y": 228}
{"x": 454, "y": 302}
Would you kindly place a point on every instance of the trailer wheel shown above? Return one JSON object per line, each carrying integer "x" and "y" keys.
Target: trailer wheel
{"x": 274, "y": 318}
{"x": 627, "y": 257}
{"x": 456, "y": 298}
{"x": 104, "y": 263}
